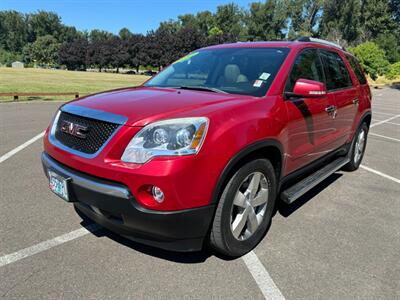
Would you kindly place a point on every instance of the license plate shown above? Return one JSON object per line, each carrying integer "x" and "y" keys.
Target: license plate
{"x": 58, "y": 185}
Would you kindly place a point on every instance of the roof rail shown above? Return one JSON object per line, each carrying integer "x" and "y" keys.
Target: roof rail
{"x": 321, "y": 41}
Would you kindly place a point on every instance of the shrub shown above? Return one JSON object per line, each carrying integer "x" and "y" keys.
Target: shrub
{"x": 393, "y": 71}
{"x": 372, "y": 58}
{"x": 7, "y": 57}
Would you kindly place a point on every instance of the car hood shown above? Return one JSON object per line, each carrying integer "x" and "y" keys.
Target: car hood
{"x": 143, "y": 105}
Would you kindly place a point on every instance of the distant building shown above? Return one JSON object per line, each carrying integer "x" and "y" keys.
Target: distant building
{"x": 17, "y": 65}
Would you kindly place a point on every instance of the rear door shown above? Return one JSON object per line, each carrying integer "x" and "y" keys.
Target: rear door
{"x": 345, "y": 94}
{"x": 310, "y": 126}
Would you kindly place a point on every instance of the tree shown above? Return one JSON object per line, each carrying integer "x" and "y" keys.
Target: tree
{"x": 376, "y": 18}
{"x": 13, "y": 31}
{"x": 99, "y": 35}
{"x": 73, "y": 54}
{"x": 372, "y": 58}
{"x": 7, "y": 57}
{"x": 395, "y": 8}
{"x": 390, "y": 43}
{"x": 304, "y": 16}
{"x": 43, "y": 51}
{"x": 138, "y": 47}
{"x": 44, "y": 23}
{"x": 230, "y": 19}
{"x": 69, "y": 34}
{"x": 117, "y": 52}
{"x": 125, "y": 34}
{"x": 266, "y": 21}
{"x": 205, "y": 21}
{"x": 341, "y": 20}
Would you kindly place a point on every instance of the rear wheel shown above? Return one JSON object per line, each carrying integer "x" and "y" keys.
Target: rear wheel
{"x": 357, "y": 148}
{"x": 245, "y": 209}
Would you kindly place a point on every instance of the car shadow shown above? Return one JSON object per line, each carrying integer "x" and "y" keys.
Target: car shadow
{"x": 395, "y": 85}
{"x": 200, "y": 256}
{"x": 287, "y": 209}
{"x": 178, "y": 257}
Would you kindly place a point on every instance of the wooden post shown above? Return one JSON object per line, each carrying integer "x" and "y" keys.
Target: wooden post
{"x": 15, "y": 97}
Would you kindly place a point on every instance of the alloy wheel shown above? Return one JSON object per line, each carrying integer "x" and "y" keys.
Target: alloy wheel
{"x": 249, "y": 206}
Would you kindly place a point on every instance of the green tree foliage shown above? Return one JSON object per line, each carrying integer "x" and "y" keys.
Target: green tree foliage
{"x": 348, "y": 22}
{"x": 372, "y": 58}
{"x": 377, "y": 17}
{"x": 230, "y": 19}
{"x": 99, "y": 35}
{"x": 267, "y": 21}
{"x": 393, "y": 71}
{"x": 44, "y": 23}
{"x": 125, "y": 33}
{"x": 395, "y": 7}
{"x": 389, "y": 42}
{"x": 7, "y": 57}
{"x": 43, "y": 51}
{"x": 13, "y": 31}
{"x": 340, "y": 21}
{"x": 304, "y": 17}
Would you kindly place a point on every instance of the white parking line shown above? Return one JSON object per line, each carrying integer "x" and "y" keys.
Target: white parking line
{"x": 267, "y": 286}
{"x": 43, "y": 246}
{"x": 384, "y": 121}
{"x": 385, "y": 137}
{"x": 21, "y": 147}
{"x": 392, "y": 123}
{"x": 380, "y": 173}
{"x": 264, "y": 281}
{"x": 382, "y": 113}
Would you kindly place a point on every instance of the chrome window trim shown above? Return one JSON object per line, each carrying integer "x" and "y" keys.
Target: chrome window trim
{"x": 88, "y": 113}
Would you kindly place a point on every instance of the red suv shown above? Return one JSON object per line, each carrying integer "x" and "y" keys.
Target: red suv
{"x": 202, "y": 152}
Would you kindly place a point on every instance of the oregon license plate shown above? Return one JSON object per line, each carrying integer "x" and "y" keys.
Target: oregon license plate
{"x": 58, "y": 185}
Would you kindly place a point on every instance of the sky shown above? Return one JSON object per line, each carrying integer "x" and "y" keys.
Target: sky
{"x": 137, "y": 16}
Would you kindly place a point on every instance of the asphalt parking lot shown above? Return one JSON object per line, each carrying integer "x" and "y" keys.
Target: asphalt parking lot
{"x": 341, "y": 240}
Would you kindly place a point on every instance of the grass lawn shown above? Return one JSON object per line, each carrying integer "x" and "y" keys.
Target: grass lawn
{"x": 41, "y": 80}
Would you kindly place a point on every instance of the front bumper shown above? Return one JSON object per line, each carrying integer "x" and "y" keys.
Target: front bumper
{"x": 112, "y": 205}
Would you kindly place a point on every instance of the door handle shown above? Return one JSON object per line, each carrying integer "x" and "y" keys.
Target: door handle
{"x": 330, "y": 108}
{"x": 332, "y": 111}
{"x": 356, "y": 101}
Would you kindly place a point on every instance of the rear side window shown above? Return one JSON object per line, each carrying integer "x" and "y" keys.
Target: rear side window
{"x": 307, "y": 66}
{"x": 337, "y": 75}
{"x": 357, "y": 69}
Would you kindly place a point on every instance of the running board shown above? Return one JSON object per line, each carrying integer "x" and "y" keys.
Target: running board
{"x": 296, "y": 191}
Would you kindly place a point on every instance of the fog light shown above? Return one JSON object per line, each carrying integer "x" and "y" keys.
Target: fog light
{"x": 158, "y": 194}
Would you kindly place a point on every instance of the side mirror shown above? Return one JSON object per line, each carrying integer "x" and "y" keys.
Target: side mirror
{"x": 305, "y": 88}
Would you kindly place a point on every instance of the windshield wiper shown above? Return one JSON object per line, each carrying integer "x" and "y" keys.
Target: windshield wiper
{"x": 201, "y": 88}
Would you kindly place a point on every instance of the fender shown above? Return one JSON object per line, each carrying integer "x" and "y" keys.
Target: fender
{"x": 365, "y": 115}
{"x": 238, "y": 156}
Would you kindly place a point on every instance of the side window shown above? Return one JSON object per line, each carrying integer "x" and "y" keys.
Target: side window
{"x": 357, "y": 69}
{"x": 306, "y": 66}
{"x": 337, "y": 75}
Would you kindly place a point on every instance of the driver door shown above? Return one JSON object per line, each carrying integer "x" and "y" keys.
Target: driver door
{"x": 310, "y": 128}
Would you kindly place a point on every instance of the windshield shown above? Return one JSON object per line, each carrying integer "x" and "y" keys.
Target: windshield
{"x": 246, "y": 71}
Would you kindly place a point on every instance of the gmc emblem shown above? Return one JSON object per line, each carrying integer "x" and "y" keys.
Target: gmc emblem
{"x": 77, "y": 130}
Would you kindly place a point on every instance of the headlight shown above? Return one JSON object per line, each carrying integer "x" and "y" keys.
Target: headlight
{"x": 173, "y": 137}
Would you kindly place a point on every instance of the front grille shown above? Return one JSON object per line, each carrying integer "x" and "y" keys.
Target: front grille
{"x": 98, "y": 132}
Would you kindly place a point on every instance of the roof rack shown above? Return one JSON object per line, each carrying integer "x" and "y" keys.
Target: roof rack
{"x": 321, "y": 41}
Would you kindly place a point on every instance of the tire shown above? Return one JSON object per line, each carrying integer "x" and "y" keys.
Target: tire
{"x": 233, "y": 243}
{"x": 356, "y": 153}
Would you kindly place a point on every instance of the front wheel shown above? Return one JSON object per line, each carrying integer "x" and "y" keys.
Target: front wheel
{"x": 245, "y": 209}
{"x": 357, "y": 148}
